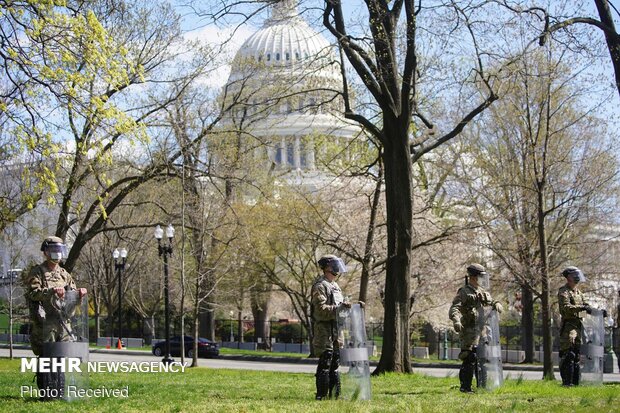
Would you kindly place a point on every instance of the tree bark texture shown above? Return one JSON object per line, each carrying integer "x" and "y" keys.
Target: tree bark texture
{"x": 398, "y": 194}
{"x": 611, "y": 37}
{"x": 527, "y": 324}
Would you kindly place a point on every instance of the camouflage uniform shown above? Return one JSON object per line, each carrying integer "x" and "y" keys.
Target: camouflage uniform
{"x": 572, "y": 309}
{"x": 465, "y": 310}
{"x": 47, "y": 321}
{"x": 45, "y": 316}
{"x": 326, "y": 298}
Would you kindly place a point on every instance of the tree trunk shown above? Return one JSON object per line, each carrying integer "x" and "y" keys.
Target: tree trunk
{"x": 398, "y": 195}
{"x": 195, "y": 345}
{"x": 110, "y": 320}
{"x": 240, "y": 326}
{"x": 97, "y": 310}
{"x": 207, "y": 324}
{"x": 370, "y": 238}
{"x": 546, "y": 314}
{"x": 149, "y": 329}
{"x": 259, "y": 302}
{"x": 527, "y": 324}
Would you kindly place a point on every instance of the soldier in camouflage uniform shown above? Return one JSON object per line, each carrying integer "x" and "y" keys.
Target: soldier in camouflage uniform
{"x": 464, "y": 314}
{"x": 45, "y": 285}
{"x": 326, "y": 300}
{"x": 573, "y": 308}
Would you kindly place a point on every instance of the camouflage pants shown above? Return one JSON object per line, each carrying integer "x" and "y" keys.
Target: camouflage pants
{"x": 325, "y": 337}
{"x": 469, "y": 337}
{"x": 570, "y": 335}
{"x": 48, "y": 332}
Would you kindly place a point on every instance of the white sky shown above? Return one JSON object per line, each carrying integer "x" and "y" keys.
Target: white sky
{"x": 216, "y": 36}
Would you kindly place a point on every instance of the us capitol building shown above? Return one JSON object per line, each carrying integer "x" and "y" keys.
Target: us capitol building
{"x": 284, "y": 93}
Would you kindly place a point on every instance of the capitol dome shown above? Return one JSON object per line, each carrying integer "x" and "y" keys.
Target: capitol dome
{"x": 285, "y": 88}
{"x": 286, "y": 46}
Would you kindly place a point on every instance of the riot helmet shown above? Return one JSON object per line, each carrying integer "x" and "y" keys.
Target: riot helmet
{"x": 54, "y": 248}
{"x": 332, "y": 263}
{"x": 475, "y": 270}
{"x": 575, "y": 273}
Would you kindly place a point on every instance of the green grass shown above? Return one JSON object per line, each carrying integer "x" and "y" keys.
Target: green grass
{"x": 219, "y": 390}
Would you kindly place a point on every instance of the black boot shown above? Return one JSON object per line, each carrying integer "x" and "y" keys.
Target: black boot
{"x": 322, "y": 375}
{"x": 334, "y": 376}
{"x": 59, "y": 382}
{"x": 576, "y": 372}
{"x": 43, "y": 385}
{"x": 322, "y": 384}
{"x": 466, "y": 373}
{"x": 567, "y": 368}
{"x": 334, "y": 384}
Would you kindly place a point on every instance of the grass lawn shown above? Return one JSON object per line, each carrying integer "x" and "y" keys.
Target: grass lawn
{"x": 213, "y": 390}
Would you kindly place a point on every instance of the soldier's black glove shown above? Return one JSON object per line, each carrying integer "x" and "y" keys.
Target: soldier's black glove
{"x": 587, "y": 308}
{"x": 458, "y": 326}
{"x": 605, "y": 313}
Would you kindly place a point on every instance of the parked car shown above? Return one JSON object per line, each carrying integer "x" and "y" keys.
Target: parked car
{"x": 206, "y": 348}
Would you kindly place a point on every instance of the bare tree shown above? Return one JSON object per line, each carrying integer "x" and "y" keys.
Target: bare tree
{"x": 540, "y": 175}
{"x": 393, "y": 82}
{"x": 554, "y": 24}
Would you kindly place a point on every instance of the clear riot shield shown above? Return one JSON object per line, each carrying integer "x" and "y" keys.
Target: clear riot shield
{"x": 489, "y": 374}
{"x": 592, "y": 347}
{"x": 71, "y": 380}
{"x": 355, "y": 383}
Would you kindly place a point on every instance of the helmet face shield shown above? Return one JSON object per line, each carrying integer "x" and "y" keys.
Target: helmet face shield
{"x": 56, "y": 251}
{"x": 333, "y": 264}
{"x": 578, "y": 276}
{"x": 337, "y": 266}
{"x": 575, "y": 274}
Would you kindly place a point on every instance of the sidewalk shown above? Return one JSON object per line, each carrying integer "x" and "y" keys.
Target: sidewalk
{"x": 308, "y": 360}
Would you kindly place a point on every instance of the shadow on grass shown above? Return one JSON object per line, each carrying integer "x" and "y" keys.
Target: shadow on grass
{"x": 412, "y": 393}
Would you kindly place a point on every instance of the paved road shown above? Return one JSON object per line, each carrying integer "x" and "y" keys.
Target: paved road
{"x": 227, "y": 363}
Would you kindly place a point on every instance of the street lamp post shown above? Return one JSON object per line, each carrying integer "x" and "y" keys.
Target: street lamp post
{"x": 120, "y": 257}
{"x": 232, "y": 337}
{"x": 166, "y": 250}
{"x": 372, "y": 329}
